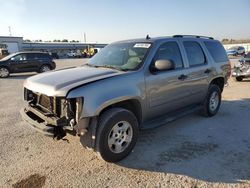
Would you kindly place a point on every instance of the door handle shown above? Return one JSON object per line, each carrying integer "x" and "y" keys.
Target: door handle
{"x": 182, "y": 77}
{"x": 207, "y": 71}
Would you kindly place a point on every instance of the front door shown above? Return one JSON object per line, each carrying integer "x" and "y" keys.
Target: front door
{"x": 20, "y": 63}
{"x": 167, "y": 90}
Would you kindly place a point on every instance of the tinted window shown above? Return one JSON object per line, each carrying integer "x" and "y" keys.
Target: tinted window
{"x": 170, "y": 51}
{"x": 41, "y": 56}
{"x": 31, "y": 56}
{"x": 195, "y": 54}
{"x": 217, "y": 51}
{"x": 36, "y": 56}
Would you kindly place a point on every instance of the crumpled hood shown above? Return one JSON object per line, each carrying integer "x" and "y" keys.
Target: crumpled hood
{"x": 58, "y": 83}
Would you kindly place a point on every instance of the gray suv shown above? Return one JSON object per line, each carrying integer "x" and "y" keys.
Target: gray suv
{"x": 128, "y": 86}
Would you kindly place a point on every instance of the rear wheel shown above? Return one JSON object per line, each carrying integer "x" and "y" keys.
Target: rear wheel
{"x": 239, "y": 78}
{"x": 213, "y": 101}
{"x": 4, "y": 72}
{"x": 44, "y": 68}
{"x": 117, "y": 134}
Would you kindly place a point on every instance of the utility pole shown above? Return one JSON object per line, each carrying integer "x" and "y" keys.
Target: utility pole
{"x": 85, "y": 39}
{"x": 10, "y": 31}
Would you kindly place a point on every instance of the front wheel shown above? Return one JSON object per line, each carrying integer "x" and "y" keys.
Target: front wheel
{"x": 212, "y": 101}
{"x": 44, "y": 68}
{"x": 239, "y": 78}
{"x": 4, "y": 72}
{"x": 117, "y": 134}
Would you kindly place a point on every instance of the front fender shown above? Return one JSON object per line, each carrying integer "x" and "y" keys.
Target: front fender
{"x": 100, "y": 94}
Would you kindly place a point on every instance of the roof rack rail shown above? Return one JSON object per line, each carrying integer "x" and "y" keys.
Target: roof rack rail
{"x": 195, "y": 36}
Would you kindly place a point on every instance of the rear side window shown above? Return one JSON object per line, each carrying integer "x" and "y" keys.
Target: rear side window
{"x": 217, "y": 51}
{"x": 195, "y": 53}
{"x": 31, "y": 56}
{"x": 42, "y": 56}
{"x": 170, "y": 51}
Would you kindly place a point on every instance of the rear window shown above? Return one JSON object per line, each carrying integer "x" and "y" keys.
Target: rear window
{"x": 217, "y": 51}
{"x": 195, "y": 53}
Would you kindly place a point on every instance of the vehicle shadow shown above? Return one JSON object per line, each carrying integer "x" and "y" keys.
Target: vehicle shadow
{"x": 213, "y": 149}
{"x": 17, "y": 76}
{"x": 245, "y": 80}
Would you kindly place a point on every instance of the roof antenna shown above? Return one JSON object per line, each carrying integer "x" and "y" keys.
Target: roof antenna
{"x": 148, "y": 37}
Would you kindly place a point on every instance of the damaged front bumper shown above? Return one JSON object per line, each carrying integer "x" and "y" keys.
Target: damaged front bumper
{"x": 58, "y": 127}
{"x": 56, "y": 116}
{"x": 46, "y": 124}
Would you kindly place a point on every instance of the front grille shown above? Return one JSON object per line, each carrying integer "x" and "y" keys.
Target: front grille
{"x": 51, "y": 105}
{"x": 46, "y": 102}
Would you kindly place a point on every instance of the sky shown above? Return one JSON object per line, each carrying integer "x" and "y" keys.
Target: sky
{"x": 106, "y": 21}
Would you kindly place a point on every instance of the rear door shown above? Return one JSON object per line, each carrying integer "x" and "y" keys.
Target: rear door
{"x": 199, "y": 69}
{"x": 35, "y": 60}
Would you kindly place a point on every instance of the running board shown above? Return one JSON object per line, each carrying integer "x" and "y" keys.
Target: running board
{"x": 163, "y": 120}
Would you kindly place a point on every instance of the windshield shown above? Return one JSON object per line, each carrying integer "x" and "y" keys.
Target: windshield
{"x": 8, "y": 57}
{"x": 121, "y": 56}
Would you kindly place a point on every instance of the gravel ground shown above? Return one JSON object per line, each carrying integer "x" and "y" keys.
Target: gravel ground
{"x": 191, "y": 152}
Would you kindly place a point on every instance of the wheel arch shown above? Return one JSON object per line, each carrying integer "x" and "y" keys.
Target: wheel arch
{"x": 132, "y": 105}
{"x": 219, "y": 81}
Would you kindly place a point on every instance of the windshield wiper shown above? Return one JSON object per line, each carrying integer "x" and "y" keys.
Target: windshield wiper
{"x": 90, "y": 65}
{"x": 108, "y": 66}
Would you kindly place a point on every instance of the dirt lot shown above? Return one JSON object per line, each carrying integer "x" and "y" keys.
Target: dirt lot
{"x": 191, "y": 152}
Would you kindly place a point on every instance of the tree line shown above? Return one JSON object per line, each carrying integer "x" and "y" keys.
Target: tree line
{"x": 55, "y": 40}
{"x": 234, "y": 41}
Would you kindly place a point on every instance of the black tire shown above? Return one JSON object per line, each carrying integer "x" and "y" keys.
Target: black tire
{"x": 107, "y": 121}
{"x": 239, "y": 78}
{"x": 207, "y": 106}
{"x": 44, "y": 68}
{"x": 4, "y": 74}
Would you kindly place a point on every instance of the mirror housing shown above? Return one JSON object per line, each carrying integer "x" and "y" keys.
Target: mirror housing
{"x": 162, "y": 65}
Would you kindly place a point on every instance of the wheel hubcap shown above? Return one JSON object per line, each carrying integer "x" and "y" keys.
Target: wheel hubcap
{"x": 214, "y": 101}
{"x": 4, "y": 72}
{"x": 45, "y": 69}
{"x": 120, "y": 136}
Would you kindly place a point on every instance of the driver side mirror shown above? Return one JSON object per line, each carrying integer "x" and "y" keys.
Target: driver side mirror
{"x": 162, "y": 65}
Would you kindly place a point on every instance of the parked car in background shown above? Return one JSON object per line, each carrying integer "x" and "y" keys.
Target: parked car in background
{"x": 71, "y": 54}
{"x": 242, "y": 69}
{"x": 246, "y": 57}
{"x": 26, "y": 62}
{"x": 128, "y": 86}
{"x": 236, "y": 50}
